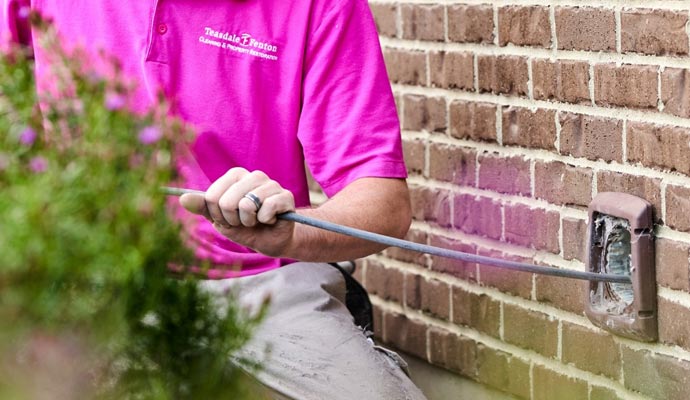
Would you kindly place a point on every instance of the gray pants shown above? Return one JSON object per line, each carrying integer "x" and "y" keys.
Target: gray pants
{"x": 316, "y": 351}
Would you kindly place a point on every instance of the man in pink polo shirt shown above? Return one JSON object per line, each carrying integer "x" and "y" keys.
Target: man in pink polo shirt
{"x": 269, "y": 87}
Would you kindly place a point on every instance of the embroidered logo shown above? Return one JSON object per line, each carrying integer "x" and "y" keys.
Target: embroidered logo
{"x": 242, "y": 43}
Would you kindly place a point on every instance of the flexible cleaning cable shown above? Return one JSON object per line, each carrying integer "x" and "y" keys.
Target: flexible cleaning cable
{"x": 432, "y": 250}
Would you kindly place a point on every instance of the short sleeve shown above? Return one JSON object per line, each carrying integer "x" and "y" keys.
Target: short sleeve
{"x": 14, "y": 24}
{"x": 348, "y": 126}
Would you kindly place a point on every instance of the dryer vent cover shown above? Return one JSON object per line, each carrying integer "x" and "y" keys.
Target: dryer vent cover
{"x": 620, "y": 241}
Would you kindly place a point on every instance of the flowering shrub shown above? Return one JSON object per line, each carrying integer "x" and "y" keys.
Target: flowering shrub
{"x": 88, "y": 308}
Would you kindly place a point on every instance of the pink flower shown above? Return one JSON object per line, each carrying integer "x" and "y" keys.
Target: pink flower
{"x": 27, "y": 137}
{"x": 150, "y": 135}
{"x": 38, "y": 164}
{"x": 114, "y": 101}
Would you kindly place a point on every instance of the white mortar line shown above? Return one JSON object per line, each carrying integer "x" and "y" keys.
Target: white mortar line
{"x": 475, "y": 72}
{"x": 533, "y": 291}
{"x": 532, "y": 177}
{"x": 665, "y": 232}
{"x": 547, "y": 156}
{"x": 559, "y": 347}
{"x": 546, "y": 53}
{"x": 624, "y": 140}
{"x": 605, "y": 112}
{"x": 544, "y": 308}
{"x": 662, "y": 4}
{"x": 675, "y": 296}
{"x": 530, "y": 82}
{"x": 499, "y": 197}
{"x": 590, "y": 85}
{"x": 531, "y": 380}
{"x": 527, "y": 356}
{"x": 501, "y": 322}
{"x": 503, "y": 223}
{"x": 557, "y": 121}
{"x": 499, "y": 125}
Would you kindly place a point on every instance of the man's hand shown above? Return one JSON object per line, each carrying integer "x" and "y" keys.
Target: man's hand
{"x": 235, "y": 215}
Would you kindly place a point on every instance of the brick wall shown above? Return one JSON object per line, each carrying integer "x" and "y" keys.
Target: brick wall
{"x": 514, "y": 115}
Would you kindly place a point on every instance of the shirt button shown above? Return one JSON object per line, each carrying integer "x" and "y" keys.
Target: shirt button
{"x": 162, "y": 28}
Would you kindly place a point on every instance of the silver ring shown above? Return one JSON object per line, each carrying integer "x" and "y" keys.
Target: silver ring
{"x": 255, "y": 199}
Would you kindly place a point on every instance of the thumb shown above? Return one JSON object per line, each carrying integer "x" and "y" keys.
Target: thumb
{"x": 195, "y": 203}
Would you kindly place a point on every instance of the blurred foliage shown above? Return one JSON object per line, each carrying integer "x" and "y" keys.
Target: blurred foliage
{"x": 88, "y": 307}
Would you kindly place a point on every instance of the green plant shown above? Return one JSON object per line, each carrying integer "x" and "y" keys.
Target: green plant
{"x": 88, "y": 307}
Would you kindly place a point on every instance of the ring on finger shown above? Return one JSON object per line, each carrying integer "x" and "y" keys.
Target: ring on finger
{"x": 254, "y": 199}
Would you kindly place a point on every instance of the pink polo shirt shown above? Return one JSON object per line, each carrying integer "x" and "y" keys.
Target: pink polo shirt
{"x": 268, "y": 85}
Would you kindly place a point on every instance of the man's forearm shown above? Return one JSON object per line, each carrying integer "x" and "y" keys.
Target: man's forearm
{"x": 378, "y": 205}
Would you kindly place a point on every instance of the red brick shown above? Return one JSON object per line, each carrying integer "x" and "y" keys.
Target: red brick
{"x": 424, "y": 113}
{"x": 603, "y": 393}
{"x": 385, "y": 16}
{"x": 452, "y": 164}
{"x": 423, "y": 22}
{"x": 660, "y": 146}
{"x": 504, "y": 372}
{"x": 377, "y": 315}
{"x": 531, "y": 227}
{"x": 574, "y": 238}
{"x": 478, "y": 216}
{"x": 657, "y": 32}
{"x": 678, "y": 208}
{"x": 672, "y": 264}
{"x": 413, "y": 294}
{"x": 452, "y": 70}
{"x": 674, "y": 323}
{"x": 550, "y": 385}
{"x": 502, "y": 74}
{"x": 386, "y": 283}
{"x": 655, "y": 375}
{"x": 459, "y": 269}
{"x": 527, "y": 128}
{"x": 559, "y": 183}
{"x": 516, "y": 283}
{"x": 472, "y": 120}
{"x": 478, "y": 311}
{"x": 524, "y": 26}
{"x": 453, "y": 352}
{"x": 413, "y": 152}
{"x": 409, "y": 256}
{"x": 675, "y": 91}
{"x": 589, "y": 350}
{"x": 504, "y": 174}
{"x": 591, "y": 137}
{"x": 405, "y": 334}
{"x": 561, "y": 80}
{"x": 634, "y": 86}
{"x": 640, "y": 186}
{"x": 471, "y": 23}
{"x": 430, "y": 205}
{"x": 405, "y": 66}
{"x": 435, "y": 298}
{"x": 562, "y": 293}
{"x": 530, "y": 330}
{"x": 585, "y": 28}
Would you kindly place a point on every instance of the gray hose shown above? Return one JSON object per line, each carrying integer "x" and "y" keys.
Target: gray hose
{"x": 436, "y": 251}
